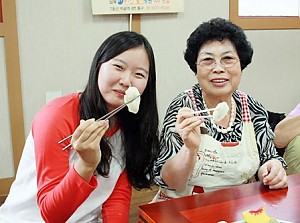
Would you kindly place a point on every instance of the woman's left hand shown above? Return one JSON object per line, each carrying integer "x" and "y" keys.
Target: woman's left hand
{"x": 273, "y": 174}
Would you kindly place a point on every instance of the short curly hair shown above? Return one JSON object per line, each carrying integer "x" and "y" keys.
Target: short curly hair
{"x": 218, "y": 29}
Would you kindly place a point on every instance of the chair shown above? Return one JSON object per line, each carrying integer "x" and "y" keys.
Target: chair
{"x": 274, "y": 119}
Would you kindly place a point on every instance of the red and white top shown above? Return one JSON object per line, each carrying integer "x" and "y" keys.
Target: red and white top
{"x": 48, "y": 189}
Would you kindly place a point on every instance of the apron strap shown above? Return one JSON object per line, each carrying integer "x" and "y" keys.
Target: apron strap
{"x": 245, "y": 109}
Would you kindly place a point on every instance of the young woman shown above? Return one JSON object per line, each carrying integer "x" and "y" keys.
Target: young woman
{"x": 93, "y": 177}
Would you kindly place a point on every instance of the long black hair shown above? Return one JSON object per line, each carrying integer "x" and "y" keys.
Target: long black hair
{"x": 218, "y": 29}
{"x": 140, "y": 130}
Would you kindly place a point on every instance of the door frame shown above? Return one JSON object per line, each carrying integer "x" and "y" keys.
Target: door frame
{"x": 8, "y": 31}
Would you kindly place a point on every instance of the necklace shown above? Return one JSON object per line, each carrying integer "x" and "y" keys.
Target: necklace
{"x": 231, "y": 120}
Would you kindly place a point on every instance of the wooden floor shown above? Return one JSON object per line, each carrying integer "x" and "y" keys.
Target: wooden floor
{"x": 139, "y": 198}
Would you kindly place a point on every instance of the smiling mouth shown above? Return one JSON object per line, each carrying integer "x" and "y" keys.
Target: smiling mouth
{"x": 120, "y": 93}
{"x": 219, "y": 81}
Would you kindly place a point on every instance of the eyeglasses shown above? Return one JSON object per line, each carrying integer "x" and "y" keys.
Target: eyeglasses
{"x": 210, "y": 62}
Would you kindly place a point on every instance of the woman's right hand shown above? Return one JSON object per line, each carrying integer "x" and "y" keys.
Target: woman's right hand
{"x": 177, "y": 170}
{"x": 188, "y": 127}
{"x": 86, "y": 141}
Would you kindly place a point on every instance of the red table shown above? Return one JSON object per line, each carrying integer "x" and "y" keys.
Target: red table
{"x": 227, "y": 204}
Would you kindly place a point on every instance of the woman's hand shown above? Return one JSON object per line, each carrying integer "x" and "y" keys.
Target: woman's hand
{"x": 177, "y": 170}
{"x": 273, "y": 174}
{"x": 86, "y": 141}
{"x": 188, "y": 127}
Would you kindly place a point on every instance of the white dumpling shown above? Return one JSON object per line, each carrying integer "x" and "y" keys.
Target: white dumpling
{"x": 220, "y": 112}
{"x": 132, "y": 93}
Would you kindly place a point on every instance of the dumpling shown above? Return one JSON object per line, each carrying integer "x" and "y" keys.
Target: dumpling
{"x": 132, "y": 99}
{"x": 220, "y": 112}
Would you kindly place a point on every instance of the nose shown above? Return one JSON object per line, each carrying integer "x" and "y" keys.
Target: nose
{"x": 125, "y": 79}
{"x": 218, "y": 66}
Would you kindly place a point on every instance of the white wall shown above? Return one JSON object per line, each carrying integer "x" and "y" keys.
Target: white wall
{"x": 58, "y": 39}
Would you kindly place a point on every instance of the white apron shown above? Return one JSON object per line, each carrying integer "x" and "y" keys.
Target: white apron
{"x": 219, "y": 164}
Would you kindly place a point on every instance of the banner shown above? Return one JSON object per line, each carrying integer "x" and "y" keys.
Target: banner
{"x": 136, "y": 6}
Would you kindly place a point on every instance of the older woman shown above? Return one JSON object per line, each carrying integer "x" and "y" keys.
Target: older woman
{"x": 235, "y": 150}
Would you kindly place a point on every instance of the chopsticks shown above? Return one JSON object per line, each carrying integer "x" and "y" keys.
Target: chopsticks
{"x": 205, "y": 110}
{"x": 202, "y": 111}
{"x": 104, "y": 117}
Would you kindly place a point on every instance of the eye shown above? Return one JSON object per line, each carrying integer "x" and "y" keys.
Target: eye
{"x": 228, "y": 59}
{"x": 207, "y": 59}
{"x": 118, "y": 67}
{"x": 140, "y": 75}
